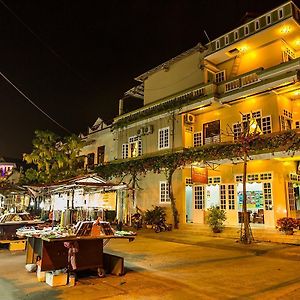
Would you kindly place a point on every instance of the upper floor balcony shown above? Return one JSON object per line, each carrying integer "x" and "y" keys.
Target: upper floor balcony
{"x": 259, "y": 80}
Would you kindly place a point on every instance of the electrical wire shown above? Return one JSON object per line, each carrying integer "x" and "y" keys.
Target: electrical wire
{"x": 53, "y": 52}
{"x": 35, "y": 105}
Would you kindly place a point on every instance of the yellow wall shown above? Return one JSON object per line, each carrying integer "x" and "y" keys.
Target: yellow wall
{"x": 267, "y": 56}
{"x": 180, "y": 76}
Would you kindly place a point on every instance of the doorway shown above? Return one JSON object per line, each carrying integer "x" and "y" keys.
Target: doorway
{"x": 188, "y": 204}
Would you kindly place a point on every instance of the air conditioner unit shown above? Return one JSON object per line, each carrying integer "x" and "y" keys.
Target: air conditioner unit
{"x": 189, "y": 119}
{"x": 140, "y": 131}
{"x": 148, "y": 129}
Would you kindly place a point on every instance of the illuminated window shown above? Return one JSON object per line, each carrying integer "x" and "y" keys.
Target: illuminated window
{"x": 197, "y": 141}
{"x": 163, "y": 138}
{"x": 199, "y": 196}
{"x": 164, "y": 191}
{"x": 135, "y": 146}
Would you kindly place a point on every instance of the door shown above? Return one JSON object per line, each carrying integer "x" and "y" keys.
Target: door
{"x": 188, "y": 203}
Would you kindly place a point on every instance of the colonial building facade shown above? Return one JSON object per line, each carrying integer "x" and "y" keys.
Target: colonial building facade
{"x": 207, "y": 95}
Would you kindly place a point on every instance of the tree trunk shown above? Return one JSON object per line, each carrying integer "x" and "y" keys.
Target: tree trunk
{"x": 173, "y": 200}
{"x": 245, "y": 236}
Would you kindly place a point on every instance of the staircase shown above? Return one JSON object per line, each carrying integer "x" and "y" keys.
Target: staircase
{"x": 235, "y": 66}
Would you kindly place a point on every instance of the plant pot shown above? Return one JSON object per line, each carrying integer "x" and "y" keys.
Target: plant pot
{"x": 148, "y": 226}
{"x": 289, "y": 232}
{"x": 216, "y": 230}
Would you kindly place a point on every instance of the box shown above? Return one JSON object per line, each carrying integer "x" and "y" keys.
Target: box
{"x": 56, "y": 279}
{"x": 41, "y": 276}
{"x": 17, "y": 245}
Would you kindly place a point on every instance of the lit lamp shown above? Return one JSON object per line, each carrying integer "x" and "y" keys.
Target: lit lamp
{"x": 253, "y": 127}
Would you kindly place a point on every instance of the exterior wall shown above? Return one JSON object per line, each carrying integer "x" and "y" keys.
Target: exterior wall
{"x": 255, "y": 58}
{"x": 180, "y": 76}
{"x": 150, "y": 141}
{"x": 103, "y": 137}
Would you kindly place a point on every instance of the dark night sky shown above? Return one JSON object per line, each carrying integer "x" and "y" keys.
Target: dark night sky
{"x": 96, "y": 49}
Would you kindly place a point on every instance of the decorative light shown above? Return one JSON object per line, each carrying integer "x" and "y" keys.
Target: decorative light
{"x": 297, "y": 42}
{"x": 12, "y": 210}
{"x": 243, "y": 48}
{"x": 253, "y": 127}
{"x": 285, "y": 29}
{"x": 42, "y": 205}
{"x": 31, "y": 203}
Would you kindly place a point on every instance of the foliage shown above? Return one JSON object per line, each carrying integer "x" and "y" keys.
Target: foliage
{"x": 155, "y": 215}
{"x": 287, "y": 224}
{"x": 169, "y": 105}
{"x": 55, "y": 158}
{"x": 282, "y": 141}
{"x": 215, "y": 218}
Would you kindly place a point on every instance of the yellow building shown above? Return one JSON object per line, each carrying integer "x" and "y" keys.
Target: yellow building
{"x": 208, "y": 95}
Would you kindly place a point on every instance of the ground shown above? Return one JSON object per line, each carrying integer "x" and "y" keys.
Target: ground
{"x": 172, "y": 265}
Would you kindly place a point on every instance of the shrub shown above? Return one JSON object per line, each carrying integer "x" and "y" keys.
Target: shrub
{"x": 287, "y": 224}
{"x": 215, "y": 218}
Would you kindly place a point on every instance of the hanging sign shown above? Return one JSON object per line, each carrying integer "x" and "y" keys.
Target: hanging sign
{"x": 199, "y": 175}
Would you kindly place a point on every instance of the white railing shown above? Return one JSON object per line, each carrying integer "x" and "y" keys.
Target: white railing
{"x": 240, "y": 82}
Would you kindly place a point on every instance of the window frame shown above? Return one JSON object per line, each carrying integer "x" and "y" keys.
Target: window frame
{"x": 163, "y": 143}
{"x": 164, "y": 196}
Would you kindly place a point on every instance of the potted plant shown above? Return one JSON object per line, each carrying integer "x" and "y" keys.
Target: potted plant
{"x": 215, "y": 219}
{"x": 287, "y": 225}
{"x": 149, "y": 218}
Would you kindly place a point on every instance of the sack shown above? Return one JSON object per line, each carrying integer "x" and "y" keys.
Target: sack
{"x": 30, "y": 267}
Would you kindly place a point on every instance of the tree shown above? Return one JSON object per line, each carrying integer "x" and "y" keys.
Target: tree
{"x": 55, "y": 158}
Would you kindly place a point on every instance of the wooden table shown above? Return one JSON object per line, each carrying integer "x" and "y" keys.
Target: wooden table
{"x": 54, "y": 255}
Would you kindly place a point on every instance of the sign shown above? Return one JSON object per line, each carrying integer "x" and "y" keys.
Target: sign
{"x": 199, "y": 175}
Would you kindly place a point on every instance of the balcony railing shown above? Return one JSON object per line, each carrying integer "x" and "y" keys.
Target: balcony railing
{"x": 241, "y": 81}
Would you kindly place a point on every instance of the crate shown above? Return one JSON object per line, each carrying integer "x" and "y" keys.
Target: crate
{"x": 15, "y": 245}
{"x": 56, "y": 279}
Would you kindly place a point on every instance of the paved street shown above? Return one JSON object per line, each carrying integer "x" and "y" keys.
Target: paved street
{"x": 172, "y": 265}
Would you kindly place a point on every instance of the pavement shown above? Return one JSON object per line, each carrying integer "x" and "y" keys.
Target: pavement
{"x": 181, "y": 264}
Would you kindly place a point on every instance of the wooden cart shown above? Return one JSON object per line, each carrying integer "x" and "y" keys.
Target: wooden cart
{"x": 54, "y": 255}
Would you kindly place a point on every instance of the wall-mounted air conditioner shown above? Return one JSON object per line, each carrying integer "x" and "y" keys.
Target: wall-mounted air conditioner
{"x": 189, "y": 119}
{"x": 140, "y": 131}
{"x": 148, "y": 129}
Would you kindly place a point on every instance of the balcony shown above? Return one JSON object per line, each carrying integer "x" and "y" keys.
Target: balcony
{"x": 258, "y": 80}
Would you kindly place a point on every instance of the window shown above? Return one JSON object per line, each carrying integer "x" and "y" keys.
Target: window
{"x": 100, "y": 155}
{"x": 220, "y": 76}
{"x": 125, "y": 151}
{"x": 231, "y": 193}
{"x": 211, "y": 132}
{"x": 217, "y": 44}
{"x": 164, "y": 191}
{"x": 297, "y": 124}
{"x": 292, "y": 202}
{"x": 236, "y": 35}
{"x": 266, "y": 125}
{"x": 90, "y": 160}
{"x": 163, "y": 138}
{"x": 257, "y": 25}
{"x": 223, "y": 196}
{"x": 226, "y": 40}
{"x": 199, "y": 196}
{"x": 268, "y": 19}
{"x": 246, "y": 30}
{"x": 197, "y": 141}
{"x": 267, "y": 191}
{"x": 285, "y": 123}
{"x": 237, "y": 130}
{"x": 135, "y": 146}
{"x": 280, "y": 13}
{"x": 188, "y": 181}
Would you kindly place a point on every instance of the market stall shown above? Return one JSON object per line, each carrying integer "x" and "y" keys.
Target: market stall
{"x": 74, "y": 249}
